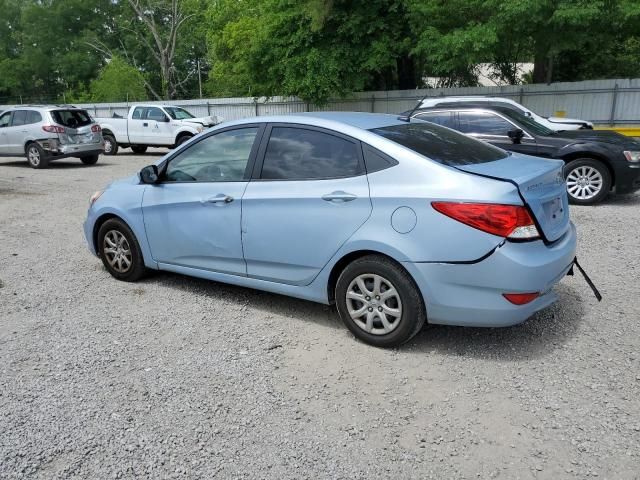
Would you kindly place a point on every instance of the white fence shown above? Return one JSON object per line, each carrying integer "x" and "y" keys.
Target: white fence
{"x": 606, "y": 102}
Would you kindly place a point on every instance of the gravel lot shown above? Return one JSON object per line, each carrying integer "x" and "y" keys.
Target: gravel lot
{"x": 178, "y": 377}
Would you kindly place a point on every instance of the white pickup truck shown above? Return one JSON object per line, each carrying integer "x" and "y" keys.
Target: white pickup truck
{"x": 152, "y": 126}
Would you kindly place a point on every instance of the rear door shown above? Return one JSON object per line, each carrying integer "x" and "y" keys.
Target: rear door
{"x": 154, "y": 129}
{"x": 308, "y": 196}
{"x": 493, "y": 128}
{"x": 136, "y": 125}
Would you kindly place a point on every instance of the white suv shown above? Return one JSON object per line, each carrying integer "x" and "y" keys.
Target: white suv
{"x": 553, "y": 123}
{"x": 46, "y": 133}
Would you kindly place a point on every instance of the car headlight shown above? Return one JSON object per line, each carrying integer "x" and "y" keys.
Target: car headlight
{"x": 632, "y": 156}
{"x": 95, "y": 197}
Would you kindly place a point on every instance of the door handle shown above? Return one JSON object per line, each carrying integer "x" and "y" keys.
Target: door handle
{"x": 145, "y": 124}
{"x": 220, "y": 199}
{"x": 339, "y": 197}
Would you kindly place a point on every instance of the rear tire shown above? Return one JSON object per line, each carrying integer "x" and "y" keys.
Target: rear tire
{"x": 588, "y": 181}
{"x": 379, "y": 302}
{"x": 120, "y": 251}
{"x": 90, "y": 160}
{"x": 110, "y": 144}
{"x": 36, "y": 156}
{"x": 139, "y": 149}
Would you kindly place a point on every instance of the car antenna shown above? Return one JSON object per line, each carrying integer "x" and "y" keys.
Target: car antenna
{"x": 407, "y": 117}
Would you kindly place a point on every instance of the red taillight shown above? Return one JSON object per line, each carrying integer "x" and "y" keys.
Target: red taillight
{"x": 53, "y": 129}
{"x": 521, "y": 298}
{"x": 96, "y": 128}
{"x": 509, "y": 221}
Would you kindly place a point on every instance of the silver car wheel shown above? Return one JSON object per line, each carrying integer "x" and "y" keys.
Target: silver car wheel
{"x": 117, "y": 251}
{"x": 108, "y": 146}
{"x": 584, "y": 182}
{"x": 374, "y": 304}
{"x": 33, "y": 155}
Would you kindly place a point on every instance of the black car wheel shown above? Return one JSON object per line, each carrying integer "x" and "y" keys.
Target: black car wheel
{"x": 90, "y": 160}
{"x": 120, "y": 251}
{"x": 379, "y": 302}
{"x": 588, "y": 181}
{"x": 139, "y": 149}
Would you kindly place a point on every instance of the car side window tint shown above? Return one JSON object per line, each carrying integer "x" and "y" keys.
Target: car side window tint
{"x": 155, "y": 114}
{"x": 440, "y": 118}
{"x": 33, "y": 117}
{"x": 5, "y": 119}
{"x": 138, "y": 113}
{"x": 483, "y": 123}
{"x": 375, "y": 160}
{"x": 222, "y": 157}
{"x": 300, "y": 154}
{"x": 19, "y": 118}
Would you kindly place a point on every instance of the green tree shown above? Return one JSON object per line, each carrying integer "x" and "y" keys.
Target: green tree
{"x": 118, "y": 81}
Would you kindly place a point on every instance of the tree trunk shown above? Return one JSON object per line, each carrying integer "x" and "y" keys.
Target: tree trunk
{"x": 406, "y": 73}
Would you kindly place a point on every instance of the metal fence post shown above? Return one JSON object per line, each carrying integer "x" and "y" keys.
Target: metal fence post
{"x": 373, "y": 103}
{"x": 614, "y": 100}
{"x": 208, "y": 109}
{"x": 255, "y": 101}
{"x": 521, "y": 98}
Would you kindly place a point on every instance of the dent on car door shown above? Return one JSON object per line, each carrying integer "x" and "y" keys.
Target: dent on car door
{"x": 192, "y": 217}
{"x": 310, "y": 196}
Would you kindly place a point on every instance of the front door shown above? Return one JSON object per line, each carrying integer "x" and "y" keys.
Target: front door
{"x": 311, "y": 195}
{"x": 494, "y": 129}
{"x": 192, "y": 218}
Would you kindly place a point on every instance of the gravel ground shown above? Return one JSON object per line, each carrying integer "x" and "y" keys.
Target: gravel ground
{"x": 178, "y": 377}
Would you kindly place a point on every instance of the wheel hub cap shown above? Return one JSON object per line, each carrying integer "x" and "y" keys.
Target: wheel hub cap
{"x": 374, "y": 304}
{"x": 584, "y": 182}
{"x": 117, "y": 251}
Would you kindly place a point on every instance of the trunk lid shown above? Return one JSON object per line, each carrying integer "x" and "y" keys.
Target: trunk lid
{"x": 540, "y": 183}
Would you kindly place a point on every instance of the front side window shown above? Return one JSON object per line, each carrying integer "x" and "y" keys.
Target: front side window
{"x": 5, "y": 119}
{"x": 441, "y": 144}
{"x": 155, "y": 114}
{"x": 483, "y": 123}
{"x": 19, "y": 118}
{"x": 301, "y": 154}
{"x": 439, "y": 118}
{"x": 222, "y": 157}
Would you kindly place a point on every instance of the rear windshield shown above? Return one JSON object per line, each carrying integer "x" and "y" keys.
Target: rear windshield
{"x": 71, "y": 118}
{"x": 441, "y": 144}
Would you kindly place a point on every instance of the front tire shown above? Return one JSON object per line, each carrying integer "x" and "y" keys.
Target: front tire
{"x": 110, "y": 144}
{"x": 588, "y": 181}
{"x": 379, "y": 301}
{"x": 120, "y": 251}
{"x": 183, "y": 139}
{"x": 36, "y": 156}
{"x": 90, "y": 160}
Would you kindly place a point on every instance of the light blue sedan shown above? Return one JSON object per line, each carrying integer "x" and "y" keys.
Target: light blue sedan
{"x": 395, "y": 222}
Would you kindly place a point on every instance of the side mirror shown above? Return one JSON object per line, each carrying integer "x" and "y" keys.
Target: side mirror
{"x": 149, "y": 174}
{"x": 515, "y": 135}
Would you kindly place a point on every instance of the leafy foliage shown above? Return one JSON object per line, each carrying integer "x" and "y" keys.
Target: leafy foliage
{"x": 315, "y": 49}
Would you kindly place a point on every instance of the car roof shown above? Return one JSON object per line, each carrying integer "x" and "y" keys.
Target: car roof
{"x": 333, "y": 120}
{"x": 427, "y": 102}
{"x": 469, "y": 106}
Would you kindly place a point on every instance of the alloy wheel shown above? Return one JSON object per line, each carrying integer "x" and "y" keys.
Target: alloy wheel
{"x": 33, "y": 154}
{"x": 117, "y": 251}
{"x": 584, "y": 182}
{"x": 374, "y": 304}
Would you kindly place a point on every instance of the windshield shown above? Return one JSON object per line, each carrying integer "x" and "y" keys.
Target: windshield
{"x": 528, "y": 123}
{"x": 178, "y": 113}
{"x": 441, "y": 144}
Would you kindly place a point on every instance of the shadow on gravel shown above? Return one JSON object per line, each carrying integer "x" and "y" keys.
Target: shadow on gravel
{"x": 269, "y": 303}
{"x": 546, "y": 331}
{"x": 630, "y": 200}
{"x": 145, "y": 154}
{"x": 56, "y": 164}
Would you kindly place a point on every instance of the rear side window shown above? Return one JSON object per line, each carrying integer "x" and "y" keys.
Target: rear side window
{"x": 33, "y": 117}
{"x": 441, "y": 144}
{"x": 375, "y": 160}
{"x": 19, "y": 118}
{"x": 301, "y": 154}
{"x": 71, "y": 118}
{"x": 483, "y": 123}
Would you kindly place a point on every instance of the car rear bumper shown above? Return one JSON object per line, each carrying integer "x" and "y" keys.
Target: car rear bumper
{"x": 63, "y": 150}
{"x": 471, "y": 294}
